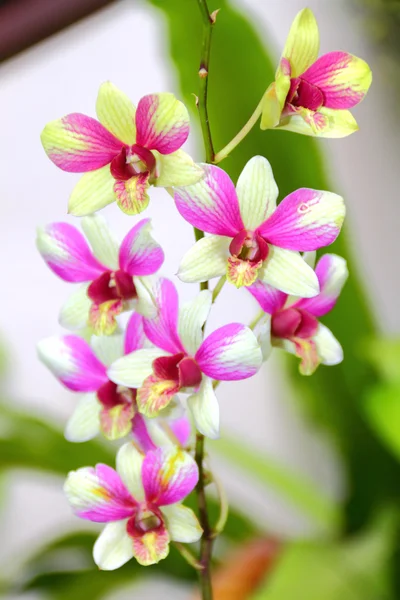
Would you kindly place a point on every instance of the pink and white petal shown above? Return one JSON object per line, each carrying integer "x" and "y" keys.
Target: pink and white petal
{"x": 77, "y": 143}
{"x": 264, "y": 337}
{"x": 257, "y": 192}
{"x": 132, "y": 197}
{"x": 192, "y": 317}
{"x": 142, "y": 433}
{"x": 329, "y": 349}
{"x": 325, "y": 123}
{"x": 108, "y": 348}
{"x": 151, "y": 547}
{"x": 84, "y": 424}
{"x": 288, "y": 272}
{"x": 206, "y": 259}
{"x": 134, "y": 338}
{"x": 181, "y": 429}
{"x": 305, "y": 220}
{"x": 113, "y": 548}
{"x": 230, "y": 353}
{"x": 145, "y": 303}
{"x": 98, "y": 494}
{"x": 332, "y": 274}
{"x": 162, "y": 123}
{"x": 211, "y": 204}
{"x": 344, "y": 79}
{"x": 269, "y": 298}
{"x": 205, "y": 409}
{"x": 116, "y": 112}
{"x": 162, "y": 330}
{"x": 302, "y": 44}
{"x": 168, "y": 475}
{"x": 131, "y": 370}
{"x": 73, "y": 362}
{"x": 66, "y": 252}
{"x": 129, "y": 468}
{"x": 103, "y": 242}
{"x": 155, "y": 395}
{"x": 182, "y": 524}
{"x": 139, "y": 253}
{"x": 93, "y": 192}
{"x": 116, "y": 422}
{"x": 176, "y": 169}
{"x": 74, "y": 313}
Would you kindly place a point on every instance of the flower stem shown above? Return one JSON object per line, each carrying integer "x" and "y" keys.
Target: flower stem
{"x": 208, "y": 22}
{"x": 218, "y": 288}
{"x": 241, "y": 135}
{"x": 206, "y": 540}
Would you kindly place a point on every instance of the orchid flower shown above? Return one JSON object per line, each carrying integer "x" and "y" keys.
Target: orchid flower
{"x": 140, "y": 502}
{"x": 103, "y": 406}
{"x": 124, "y": 152}
{"x": 294, "y": 325}
{"x": 252, "y": 239}
{"x": 113, "y": 274}
{"x": 312, "y": 95}
{"x": 184, "y": 362}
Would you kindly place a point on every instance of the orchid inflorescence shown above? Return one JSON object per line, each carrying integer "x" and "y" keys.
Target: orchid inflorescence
{"x": 131, "y": 374}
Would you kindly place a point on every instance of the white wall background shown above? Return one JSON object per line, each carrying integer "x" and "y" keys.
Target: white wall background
{"x": 124, "y": 43}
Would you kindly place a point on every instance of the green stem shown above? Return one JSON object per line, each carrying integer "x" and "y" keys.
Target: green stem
{"x": 241, "y": 135}
{"x": 207, "y": 537}
{"x": 218, "y": 288}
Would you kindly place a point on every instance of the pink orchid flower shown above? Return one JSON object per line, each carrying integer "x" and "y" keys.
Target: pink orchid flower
{"x": 124, "y": 152}
{"x": 103, "y": 406}
{"x": 184, "y": 362}
{"x": 312, "y": 95}
{"x": 140, "y": 502}
{"x": 114, "y": 274}
{"x": 251, "y": 237}
{"x": 294, "y": 325}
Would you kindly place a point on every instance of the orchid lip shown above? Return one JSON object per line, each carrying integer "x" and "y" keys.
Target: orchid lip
{"x": 303, "y": 94}
{"x": 110, "y": 394}
{"x": 179, "y": 368}
{"x": 112, "y": 285}
{"x": 132, "y": 161}
{"x": 249, "y": 246}
{"x": 292, "y": 322}
{"x": 146, "y": 519}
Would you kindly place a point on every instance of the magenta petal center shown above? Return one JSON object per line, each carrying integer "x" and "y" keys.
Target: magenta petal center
{"x": 110, "y": 285}
{"x": 250, "y": 246}
{"x": 293, "y": 323}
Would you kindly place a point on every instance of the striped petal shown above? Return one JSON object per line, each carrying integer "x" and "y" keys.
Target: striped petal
{"x": 116, "y": 112}
{"x": 289, "y": 273}
{"x": 132, "y": 197}
{"x": 134, "y": 338}
{"x": 205, "y": 409}
{"x": 344, "y": 79}
{"x": 67, "y": 253}
{"x": 177, "y": 169}
{"x": 162, "y": 330}
{"x": 113, "y": 547}
{"x": 155, "y": 394}
{"x": 98, "y": 494}
{"x": 211, "y": 204}
{"x": 332, "y": 274}
{"x": 182, "y": 524}
{"x": 325, "y": 123}
{"x": 269, "y": 298}
{"x": 305, "y": 220}
{"x": 132, "y": 370}
{"x": 230, "y": 353}
{"x": 84, "y": 424}
{"x": 73, "y": 362}
{"x": 74, "y": 313}
{"x": 275, "y": 96}
{"x": 162, "y": 123}
{"x": 144, "y": 303}
{"x": 302, "y": 44}
{"x": 169, "y": 475}
{"x": 93, "y": 192}
{"x": 192, "y": 317}
{"x": 104, "y": 244}
{"x": 116, "y": 422}
{"x": 257, "y": 192}
{"x": 77, "y": 143}
{"x": 205, "y": 260}
{"x": 108, "y": 348}
{"x": 139, "y": 253}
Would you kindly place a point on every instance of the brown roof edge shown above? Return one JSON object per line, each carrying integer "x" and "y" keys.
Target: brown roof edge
{"x": 26, "y": 22}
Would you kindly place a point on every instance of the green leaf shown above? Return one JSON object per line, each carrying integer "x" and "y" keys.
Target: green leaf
{"x": 384, "y": 355}
{"x": 297, "y": 491}
{"x": 357, "y": 569}
{"x": 382, "y": 408}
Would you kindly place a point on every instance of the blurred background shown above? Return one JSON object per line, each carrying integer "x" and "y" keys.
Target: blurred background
{"x": 310, "y": 464}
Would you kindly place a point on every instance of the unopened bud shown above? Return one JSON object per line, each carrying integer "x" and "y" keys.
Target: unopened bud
{"x": 203, "y": 72}
{"x": 213, "y": 15}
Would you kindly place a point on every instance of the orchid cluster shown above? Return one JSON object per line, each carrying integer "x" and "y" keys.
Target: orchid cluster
{"x": 144, "y": 368}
